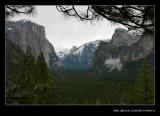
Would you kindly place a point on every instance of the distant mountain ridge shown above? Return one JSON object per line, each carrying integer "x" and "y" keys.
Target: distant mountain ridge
{"x": 124, "y": 47}
{"x": 81, "y": 57}
{"x": 104, "y": 53}
{"x": 62, "y": 53}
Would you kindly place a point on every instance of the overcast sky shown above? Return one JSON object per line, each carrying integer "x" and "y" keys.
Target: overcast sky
{"x": 65, "y": 33}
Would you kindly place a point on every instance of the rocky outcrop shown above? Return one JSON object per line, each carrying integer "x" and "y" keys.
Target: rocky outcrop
{"x": 115, "y": 54}
{"x": 123, "y": 37}
{"x": 25, "y": 33}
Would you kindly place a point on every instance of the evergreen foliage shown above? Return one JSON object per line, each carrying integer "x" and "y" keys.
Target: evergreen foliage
{"x": 44, "y": 85}
{"x": 25, "y": 80}
{"x": 33, "y": 83}
{"x": 145, "y": 84}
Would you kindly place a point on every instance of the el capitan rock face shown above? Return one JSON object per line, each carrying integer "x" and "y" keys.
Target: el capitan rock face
{"x": 25, "y": 33}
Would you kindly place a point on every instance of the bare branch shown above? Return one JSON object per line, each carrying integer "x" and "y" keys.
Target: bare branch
{"x": 129, "y": 16}
{"x": 12, "y": 10}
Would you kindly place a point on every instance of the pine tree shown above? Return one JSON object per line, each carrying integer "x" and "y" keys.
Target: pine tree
{"x": 34, "y": 83}
{"x": 44, "y": 89}
{"x": 145, "y": 84}
{"x": 25, "y": 78}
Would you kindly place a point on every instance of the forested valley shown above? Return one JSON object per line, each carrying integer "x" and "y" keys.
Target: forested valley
{"x": 30, "y": 82}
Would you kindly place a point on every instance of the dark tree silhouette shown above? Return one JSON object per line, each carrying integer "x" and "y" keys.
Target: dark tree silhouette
{"x": 144, "y": 86}
{"x": 131, "y": 16}
{"x": 12, "y": 10}
{"x": 44, "y": 83}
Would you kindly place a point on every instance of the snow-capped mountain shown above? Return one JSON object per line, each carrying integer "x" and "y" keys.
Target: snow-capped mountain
{"x": 79, "y": 50}
{"x": 82, "y": 56}
{"x": 62, "y": 52}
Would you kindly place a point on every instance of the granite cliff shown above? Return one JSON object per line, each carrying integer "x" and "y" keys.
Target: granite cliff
{"x": 25, "y": 33}
{"x": 123, "y": 48}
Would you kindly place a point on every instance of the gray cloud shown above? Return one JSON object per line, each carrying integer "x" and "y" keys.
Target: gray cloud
{"x": 113, "y": 63}
{"x": 62, "y": 32}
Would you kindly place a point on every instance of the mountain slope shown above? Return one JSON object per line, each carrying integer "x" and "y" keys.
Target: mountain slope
{"x": 13, "y": 58}
{"x": 81, "y": 57}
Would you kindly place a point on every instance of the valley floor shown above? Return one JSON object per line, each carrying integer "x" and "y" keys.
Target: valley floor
{"x": 87, "y": 87}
